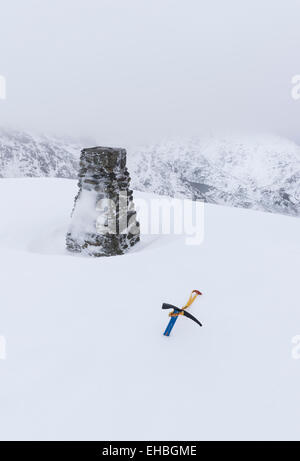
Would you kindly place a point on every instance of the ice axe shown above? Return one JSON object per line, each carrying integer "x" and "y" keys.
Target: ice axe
{"x": 178, "y": 311}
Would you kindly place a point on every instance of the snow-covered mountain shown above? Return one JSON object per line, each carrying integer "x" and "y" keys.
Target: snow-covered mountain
{"x": 25, "y": 154}
{"x": 261, "y": 173}
{"x": 86, "y": 355}
{"x": 249, "y": 172}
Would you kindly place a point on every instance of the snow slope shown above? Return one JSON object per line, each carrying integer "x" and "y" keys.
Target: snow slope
{"x": 86, "y": 358}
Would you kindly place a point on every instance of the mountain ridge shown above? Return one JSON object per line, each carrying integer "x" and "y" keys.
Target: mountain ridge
{"x": 261, "y": 173}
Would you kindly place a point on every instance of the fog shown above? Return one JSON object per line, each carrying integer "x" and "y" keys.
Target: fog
{"x": 132, "y": 71}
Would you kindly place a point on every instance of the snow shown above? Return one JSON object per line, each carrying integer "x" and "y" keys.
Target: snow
{"x": 85, "y": 354}
{"x": 84, "y": 215}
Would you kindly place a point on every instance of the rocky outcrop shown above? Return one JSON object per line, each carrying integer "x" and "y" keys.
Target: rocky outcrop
{"x": 104, "y": 218}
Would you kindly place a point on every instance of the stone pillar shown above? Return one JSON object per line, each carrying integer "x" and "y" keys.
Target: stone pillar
{"x": 104, "y": 218}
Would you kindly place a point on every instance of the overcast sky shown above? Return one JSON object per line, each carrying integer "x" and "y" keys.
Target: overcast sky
{"x": 131, "y": 71}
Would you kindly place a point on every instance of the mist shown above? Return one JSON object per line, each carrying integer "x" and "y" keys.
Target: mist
{"x": 135, "y": 71}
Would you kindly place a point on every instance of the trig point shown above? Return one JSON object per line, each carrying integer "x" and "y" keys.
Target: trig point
{"x": 104, "y": 218}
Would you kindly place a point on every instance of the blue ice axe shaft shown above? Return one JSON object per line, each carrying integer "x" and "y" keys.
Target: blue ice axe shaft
{"x": 171, "y": 323}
